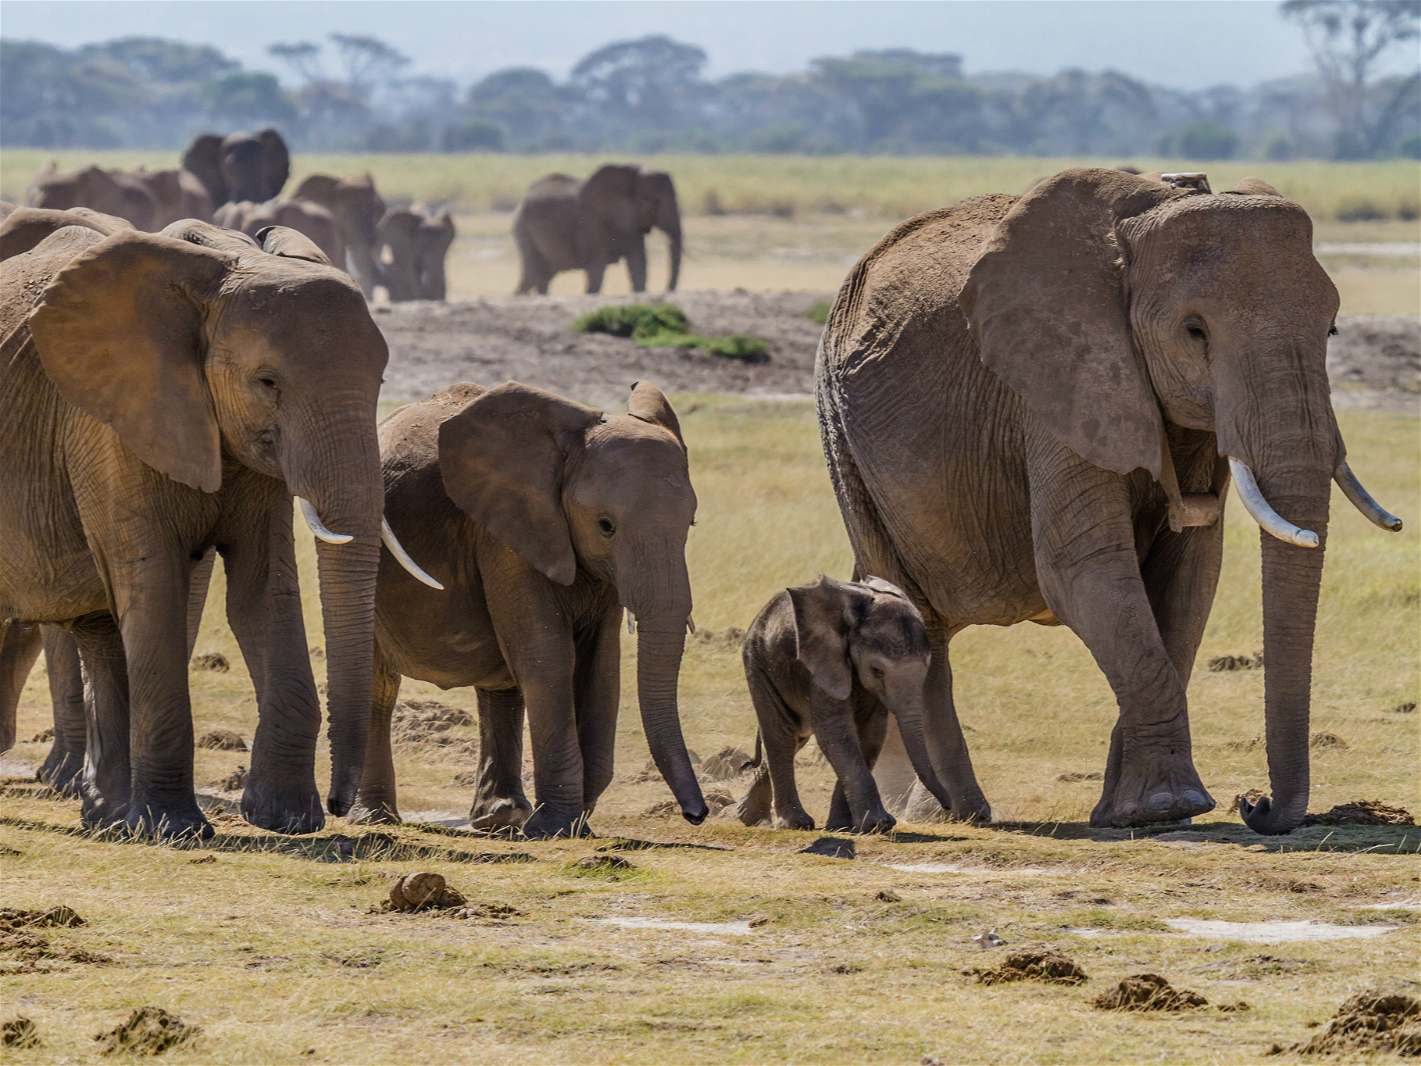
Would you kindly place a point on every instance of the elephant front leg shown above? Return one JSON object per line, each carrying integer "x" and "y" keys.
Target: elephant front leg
{"x": 544, "y": 670}
{"x": 856, "y": 806}
{"x": 500, "y": 802}
{"x": 598, "y": 682}
{"x": 947, "y": 747}
{"x": 376, "y": 801}
{"x": 106, "y": 790}
{"x": 63, "y": 767}
{"x": 19, "y": 648}
{"x": 636, "y": 265}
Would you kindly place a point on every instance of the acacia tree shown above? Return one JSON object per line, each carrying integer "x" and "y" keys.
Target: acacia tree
{"x": 1349, "y": 40}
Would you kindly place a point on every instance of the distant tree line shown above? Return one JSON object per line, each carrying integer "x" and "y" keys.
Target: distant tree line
{"x": 651, "y": 95}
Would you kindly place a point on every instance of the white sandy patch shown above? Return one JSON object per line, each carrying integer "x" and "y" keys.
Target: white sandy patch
{"x": 448, "y": 819}
{"x": 725, "y": 928}
{"x": 1274, "y": 932}
{"x": 17, "y": 768}
{"x": 1399, "y": 905}
{"x": 954, "y": 868}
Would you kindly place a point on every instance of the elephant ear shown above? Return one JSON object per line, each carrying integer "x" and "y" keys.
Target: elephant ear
{"x": 1251, "y": 187}
{"x": 318, "y": 187}
{"x": 610, "y": 196}
{"x": 276, "y": 161}
{"x": 1047, "y": 304}
{"x": 218, "y": 238}
{"x": 288, "y": 243}
{"x": 503, "y": 458}
{"x": 203, "y": 160}
{"x": 649, "y": 404}
{"x": 25, "y": 227}
{"x": 823, "y": 619}
{"x": 120, "y": 331}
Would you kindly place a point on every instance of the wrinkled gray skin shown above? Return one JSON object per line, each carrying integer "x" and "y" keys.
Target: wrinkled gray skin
{"x": 832, "y": 660}
{"x": 230, "y": 376}
{"x": 357, "y": 209}
{"x": 566, "y": 224}
{"x": 1017, "y": 395}
{"x": 543, "y": 519}
{"x": 240, "y": 166}
{"x": 418, "y": 244}
{"x": 309, "y": 219}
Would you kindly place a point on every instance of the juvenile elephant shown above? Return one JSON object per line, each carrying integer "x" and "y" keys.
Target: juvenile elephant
{"x": 418, "y": 245}
{"x": 111, "y": 192}
{"x": 1031, "y": 408}
{"x": 165, "y": 394}
{"x": 240, "y": 166}
{"x": 310, "y": 219}
{"x": 566, "y": 224}
{"x": 831, "y": 660}
{"x": 543, "y": 519}
{"x": 357, "y": 209}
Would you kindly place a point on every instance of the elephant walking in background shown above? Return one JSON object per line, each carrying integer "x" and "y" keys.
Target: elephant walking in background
{"x": 357, "y": 210}
{"x": 418, "y": 245}
{"x": 1032, "y": 407}
{"x": 146, "y": 199}
{"x": 566, "y": 224}
{"x": 309, "y": 219}
{"x": 165, "y": 394}
{"x": 543, "y": 520}
{"x": 240, "y": 166}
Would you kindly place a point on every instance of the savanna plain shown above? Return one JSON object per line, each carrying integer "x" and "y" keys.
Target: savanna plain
{"x": 722, "y": 943}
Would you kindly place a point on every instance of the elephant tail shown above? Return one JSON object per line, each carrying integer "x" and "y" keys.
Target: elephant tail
{"x": 758, "y": 751}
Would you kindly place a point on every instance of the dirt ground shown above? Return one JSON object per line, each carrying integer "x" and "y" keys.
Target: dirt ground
{"x": 1374, "y": 361}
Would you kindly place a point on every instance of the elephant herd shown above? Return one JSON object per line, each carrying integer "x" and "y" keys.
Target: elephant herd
{"x": 1031, "y": 407}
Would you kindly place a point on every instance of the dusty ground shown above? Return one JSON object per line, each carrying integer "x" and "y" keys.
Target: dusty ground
{"x": 1374, "y": 361}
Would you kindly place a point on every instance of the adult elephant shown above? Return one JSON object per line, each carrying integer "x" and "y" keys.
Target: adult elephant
{"x": 357, "y": 210}
{"x": 1031, "y": 407}
{"x": 240, "y": 166}
{"x": 418, "y": 245}
{"x": 165, "y": 394}
{"x": 311, "y": 220}
{"x": 177, "y": 194}
{"x": 544, "y": 519}
{"x": 112, "y": 192}
{"x": 566, "y": 224}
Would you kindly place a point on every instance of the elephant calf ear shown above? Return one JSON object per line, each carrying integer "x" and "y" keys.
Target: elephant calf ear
{"x": 503, "y": 459}
{"x": 821, "y": 624}
{"x": 290, "y": 244}
{"x": 649, "y": 404}
{"x": 1046, "y": 302}
{"x": 120, "y": 332}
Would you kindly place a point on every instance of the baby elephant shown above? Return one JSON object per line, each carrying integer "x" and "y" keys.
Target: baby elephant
{"x": 831, "y": 660}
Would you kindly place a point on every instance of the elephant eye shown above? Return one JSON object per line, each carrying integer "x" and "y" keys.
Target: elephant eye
{"x": 877, "y": 672}
{"x": 1195, "y": 328}
{"x": 605, "y": 525}
{"x": 267, "y": 380}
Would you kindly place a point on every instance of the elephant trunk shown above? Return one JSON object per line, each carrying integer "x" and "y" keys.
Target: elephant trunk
{"x": 673, "y": 233}
{"x": 915, "y": 743}
{"x": 660, "y": 645}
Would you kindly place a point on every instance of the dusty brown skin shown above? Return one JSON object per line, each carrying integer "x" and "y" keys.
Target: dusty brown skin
{"x": 309, "y": 219}
{"x": 168, "y": 393}
{"x": 418, "y": 245}
{"x": 110, "y": 192}
{"x": 240, "y": 166}
{"x": 543, "y": 519}
{"x": 357, "y": 209}
{"x": 566, "y": 224}
{"x": 832, "y": 660}
{"x": 1004, "y": 388}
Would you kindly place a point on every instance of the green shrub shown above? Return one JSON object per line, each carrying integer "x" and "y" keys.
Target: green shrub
{"x": 818, "y": 311}
{"x": 674, "y": 339}
{"x": 739, "y": 346}
{"x": 633, "y": 320}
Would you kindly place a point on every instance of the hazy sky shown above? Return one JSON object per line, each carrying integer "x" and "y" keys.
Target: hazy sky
{"x": 1183, "y": 43}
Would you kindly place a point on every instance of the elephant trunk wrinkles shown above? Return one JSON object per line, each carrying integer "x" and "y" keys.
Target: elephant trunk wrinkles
{"x": 347, "y": 578}
{"x": 660, "y": 645}
{"x": 910, "y": 728}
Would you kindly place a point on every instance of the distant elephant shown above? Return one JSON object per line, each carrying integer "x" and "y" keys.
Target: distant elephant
{"x": 177, "y": 194}
{"x": 112, "y": 192}
{"x": 831, "y": 660}
{"x": 240, "y": 166}
{"x": 357, "y": 210}
{"x": 418, "y": 246}
{"x": 165, "y": 394}
{"x": 543, "y": 519}
{"x": 24, "y": 227}
{"x": 1031, "y": 408}
{"x": 310, "y": 219}
{"x": 566, "y": 224}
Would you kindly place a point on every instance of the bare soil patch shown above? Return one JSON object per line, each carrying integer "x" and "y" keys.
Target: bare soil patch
{"x": 423, "y": 723}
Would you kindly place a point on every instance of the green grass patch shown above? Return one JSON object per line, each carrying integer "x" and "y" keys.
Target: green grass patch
{"x": 666, "y": 326}
{"x": 818, "y": 311}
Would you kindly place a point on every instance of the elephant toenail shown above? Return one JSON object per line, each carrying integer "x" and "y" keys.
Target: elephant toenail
{"x": 1161, "y": 801}
{"x": 1197, "y": 799}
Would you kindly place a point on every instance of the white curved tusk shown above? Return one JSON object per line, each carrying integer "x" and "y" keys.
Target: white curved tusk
{"x": 1362, "y": 499}
{"x": 308, "y": 512}
{"x": 1262, "y": 513}
{"x": 387, "y": 536}
{"x": 631, "y": 622}
{"x": 690, "y": 625}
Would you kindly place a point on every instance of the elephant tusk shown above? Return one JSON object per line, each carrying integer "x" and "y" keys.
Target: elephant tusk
{"x": 1362, "y": 499}
{"x": 308, "y": 512}
{"x": 690, "y": 625}
{"x": 631, "y": 622}
{"x": 387, "y": 535}
{"x": 1262, "y": 513}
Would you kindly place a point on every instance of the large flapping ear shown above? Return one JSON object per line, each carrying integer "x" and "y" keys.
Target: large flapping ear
{"x": 609, "y": 195}
{"x": 504, "y": 458}
{"x": 120, "y": 332}
{"x": 823, "y": 619}
{"x": 649, "y": 404}
{"x": 276, "y": 161}
{"x": 318, "y": 187}
{"x": 289, "y": 244}
{"x": 203, "y": 160}
{"x": 25, "y": 227}
{"x": 1046, "y": 302}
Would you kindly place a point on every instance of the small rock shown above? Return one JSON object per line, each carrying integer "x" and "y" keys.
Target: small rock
{"x": 19, "y": 1033}
{"x": 1148, "y": 991}
{"x": 148, "y": 1031}
{"x": 210, "y": 660}
{"x": 831, "y": 848}
{"x": 222, "y": 740}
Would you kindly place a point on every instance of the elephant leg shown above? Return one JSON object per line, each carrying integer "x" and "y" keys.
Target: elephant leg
{"x": 779, "y": 742}
{"x": 595, "y": 272}
{"x": 63, "y": 768}
{"x": 598, "y": 687}
{"x": 535, "y": 272}
{"x": 947, "y": 747}
{"x": 107, "y": 788}
{"x": 636, "y": 265}
{"x": 19, "y": 648}
{"x": 198, "y": 584}
{"x": 856, "y": 806}
{"x": 754, "y": 807}
{"x": 264, "y": 611}
{"x": 376, "y": 801}
{"x": 500, "y": 802}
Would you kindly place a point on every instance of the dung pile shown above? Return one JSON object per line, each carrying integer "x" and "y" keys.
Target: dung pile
{"x": 29, "y": 948}
{"x": 1040, "y": 965}
{"x": 19, "y": 1033}
{"x": 222, "y": 740}
{"x": 234, "y": 781}
{"x": 148, "y": 1031}
{"x": 1148, "y": 991}
{"x": 210, "y": 660}
{"x": 423, "y": 892}
{"x": 1361, "y": 812}
{"x": 1220, "y": 663}
{"x": 727, "y": 639}
{"x": 1369, "y": 1021}
{"x": 725, "y": 764}
{"x": 717, "y": 799}
{"x": 423, "y": 723}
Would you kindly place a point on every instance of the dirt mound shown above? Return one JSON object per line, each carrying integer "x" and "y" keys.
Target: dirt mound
{"x": 19, "y": 1033}
{"x": 1326, "y": 740}
{"x": 1043, "y": 965}
{"x": 1221, "y": 663}
{"x": 422, "y": 723}
{"x": 46, "y": 736}
{"x": 148, "y": 1031}
{"x": 717, "y": 799}
{"x": 1077, "y": 775}
{"x": 1404, "y": 708}
{"x": 237, "y": 779}
{"x": 222, "y": 740}
{"x": 1369, "y": 1021}
{"x": 10, "y": 918}
{"x": 1148, "y": 991}
{"x": 210, "y": 660}
{"x": 422, "y": 892}
{"x": 725, "y": 764}
{"x": 729, "y": 638}
{"x": 1361, "y": 812}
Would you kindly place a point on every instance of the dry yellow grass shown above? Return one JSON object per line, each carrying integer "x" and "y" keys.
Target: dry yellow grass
{"x": 273, "y": 952}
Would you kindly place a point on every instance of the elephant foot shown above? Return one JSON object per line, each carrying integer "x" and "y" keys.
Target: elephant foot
{"x": 922, "y": 807}
{"x": 794, "y": 820}
{"x": 752, "y": 813}
{"x": 373, "y": 812}
{"x": 1163, "y": 792}
{"x": 174, "y": 820}
{"x": 63, "y": 772}
{"x": 546, "y": 824}
{"x": 502, "y": 812}
{"x": 879, "y": 821}
{"x": 282, "y": 806}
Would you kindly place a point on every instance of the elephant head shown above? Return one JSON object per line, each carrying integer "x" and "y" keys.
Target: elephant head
{"x": 569, "y": 489}
{"x": 418, "y": 246}
{"x": 870, "y": 631}
{"x": 656, "y": 206}
{"x": 201, "y": 351}
{"x": 110, "y": 191}
{"x": 619, "y": 205}
{"x": 357, "y": 209}
{"x": 203, "y": 160}
{"x": 1111, "y": 302}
